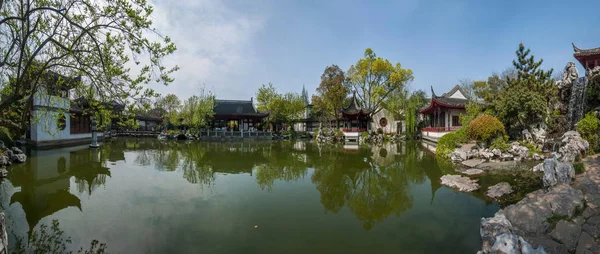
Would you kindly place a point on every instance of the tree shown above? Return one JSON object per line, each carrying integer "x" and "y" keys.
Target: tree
{"x": 198, "y": 110}
{"x": 331, "y": 93}
{"x": 168, "y": 107}
{"x": 283, "y": 108}
{"x": 374, "y": 79}
{"x": 98, "y": 41}
{"x": 468, "y": 86}
{"x": 405, "y": 105}
{"x": 523, "y": 100}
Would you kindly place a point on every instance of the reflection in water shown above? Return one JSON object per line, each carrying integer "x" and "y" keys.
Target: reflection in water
{"x": 52, "y": 240}
{"x": 372, "y": 183}
{"x": 45, "y": 180}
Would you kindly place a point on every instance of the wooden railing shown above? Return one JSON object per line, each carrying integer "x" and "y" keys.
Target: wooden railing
{"x": 441, "y": 129}
{"x": 354, "y": 129}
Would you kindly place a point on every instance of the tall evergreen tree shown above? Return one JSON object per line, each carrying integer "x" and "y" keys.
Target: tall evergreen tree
{"x": 305, "y": 96}
{"x": 524, "y": 99}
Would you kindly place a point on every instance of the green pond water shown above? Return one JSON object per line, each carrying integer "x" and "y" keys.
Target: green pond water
{"x": 150, "y": 196}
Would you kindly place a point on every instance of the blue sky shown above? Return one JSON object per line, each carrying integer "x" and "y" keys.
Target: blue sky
{"x": 231, "y": 47}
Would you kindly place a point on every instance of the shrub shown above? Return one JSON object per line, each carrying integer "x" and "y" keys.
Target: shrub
{"x": 379, "y": 131}
{"x": 472, "y": 111}
{"x": 5, "y": 136}
{"x": 579, "y": 168}
{"x": 533, "y": 148}
{"x": 588, "y": 127}
{"x": 339, "y": 133}
{"x": 449, "y": 142}
{"x": 364, "y": 134}
{"x": 500, "y": 143}
{"x": 484, "y": 128}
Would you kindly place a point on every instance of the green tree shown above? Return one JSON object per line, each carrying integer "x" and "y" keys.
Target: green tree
{"x": 169, "y": 107}
{"x": 198, "y": 110}
{"x": 523, "y": 100}
{"x": 80, "y": 38}
{"x": 331, "y": 93}
{"x": 405, "y": 105}
{"x": 283, "y": 108}
{"x": 374, "y": 79}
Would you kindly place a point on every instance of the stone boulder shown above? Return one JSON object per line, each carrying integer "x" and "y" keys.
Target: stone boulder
{"x": 518, "y": 150}
{"x": 572, "y": 146}
{"x": 567, "y": 233}
{"x": 499, "y": 190}
{"x": 497, "y": 237}
{"x": 529, "y": 216}
{"x": 3, "y": 235}
{"x": 16, "y": 150}
{"x": 19, "y": 158}
{"x": 538, "y": 168}
{"x": 4, "y": 160}
{"x": 462, "y": 183}
{"x": 458, "y": 155}
{"x": 556, "y": 172}
{"x": 496, "y": 152}
{"x": 472, "y": 171}
{"x": 472, "y": 163}
{"x": 3, "y": 172}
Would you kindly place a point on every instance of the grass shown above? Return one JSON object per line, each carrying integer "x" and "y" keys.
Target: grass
{"x": 555, "y": 219}
{"x": 579, "y": 168}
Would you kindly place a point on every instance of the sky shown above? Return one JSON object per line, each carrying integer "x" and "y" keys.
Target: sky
{"x": 232, "y": 47}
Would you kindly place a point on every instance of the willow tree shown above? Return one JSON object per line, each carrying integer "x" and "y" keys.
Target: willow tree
{"x": 374, "y": 79}
{"x": 110, "y": 44}
{"x": 282, "y": 108}
{"x": 331, "y": 93}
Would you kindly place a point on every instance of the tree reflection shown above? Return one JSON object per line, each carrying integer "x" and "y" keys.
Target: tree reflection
{"x": 52, "y": 240}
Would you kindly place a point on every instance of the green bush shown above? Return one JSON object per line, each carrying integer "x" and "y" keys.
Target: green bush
{"x": 500, "y": 143}
{"x": 588, "y": 127}
{"x": 379, "y": 131}
{"x": 472, "y": 111}
{"x": 579, "y": 168}
{"x": 339, "y": 133}
{"x": 449, "y": 142}
{"x": 533, "y": 148}
{"x": 6, "y": 136}
{"x": 484, "y": 128}
{"x": 364, "y": 134}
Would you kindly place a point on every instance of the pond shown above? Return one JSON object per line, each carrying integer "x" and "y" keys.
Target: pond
{"x": 149, "y": 196}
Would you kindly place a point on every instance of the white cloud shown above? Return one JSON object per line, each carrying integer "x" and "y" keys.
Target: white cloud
{"x": 214, "y": 44}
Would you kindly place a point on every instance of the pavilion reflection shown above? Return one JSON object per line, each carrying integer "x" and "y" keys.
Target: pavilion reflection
{"x": 45, "y": 180}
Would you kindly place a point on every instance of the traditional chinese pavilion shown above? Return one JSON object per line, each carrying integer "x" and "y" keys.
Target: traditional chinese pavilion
{"x": 354, "y": 117}
{"x": 589, "y": 58}
{"x": 442, "y": 115}
{"x": 237, "y": 115}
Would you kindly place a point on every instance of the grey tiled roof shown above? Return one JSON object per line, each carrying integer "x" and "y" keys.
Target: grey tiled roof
{"x": 236, "y": 107}
{"x": 585, "y": 52}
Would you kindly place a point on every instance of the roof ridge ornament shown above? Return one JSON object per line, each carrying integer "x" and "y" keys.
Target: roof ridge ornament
{"x": 575, "y": 48}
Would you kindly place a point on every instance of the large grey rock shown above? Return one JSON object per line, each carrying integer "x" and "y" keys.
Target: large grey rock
{"x": 587, "y": 245}
{"x": 472, "y": 163}
{"x": 572, "y": 146}
{"x": 499, "y": 190}
{"x": 472, "y": 171}
{"x": 592, "y": 226}
{"x": 4, "y": 160}
{"x": 3, "y": 172}
{"x": 19, "y": 158}
{"x": 538, "y": 168}
{"x": 3, "y": 235}
{"x": 461, "y": 183}
{"x": 497, "y": 237}
{"x": 16, "y": 150}
{"x": 513, "y": 244}
{"x": 493, "y": 227}
{"x": 518, "y": 150}
{"x": 556, "y": 172}
{"x": 496, "y": 152}
{"x": 458, "y": 155}
{"x": 567, "y": 233}
{"x": 529, "y": 216}
{"x": 549, "y": 245}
